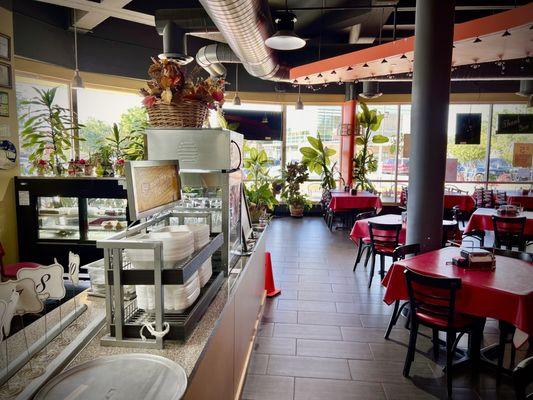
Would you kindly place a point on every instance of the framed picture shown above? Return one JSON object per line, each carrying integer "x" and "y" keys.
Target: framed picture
{"x": 5, "y": 47}
{"x": 4, "y": 104}
{"x": 5, "y": 76}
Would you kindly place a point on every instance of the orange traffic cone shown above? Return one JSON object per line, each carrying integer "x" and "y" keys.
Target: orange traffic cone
{"x": 269, "y": 278}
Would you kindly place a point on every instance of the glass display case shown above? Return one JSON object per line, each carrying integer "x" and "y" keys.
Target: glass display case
{"x": 58, "y": 215}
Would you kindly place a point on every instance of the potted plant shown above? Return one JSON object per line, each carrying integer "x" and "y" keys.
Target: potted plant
{"x": 172, "y": 99}
{"x": 41, "y": 166}
{"x": 317, "y": 159}
{"x": 364, "y": 161}
{"x": 104, "y": 166}
{"x": 259, "y": 192}
{"x": 47, "y": 130}
{"x": 294, "y": 175}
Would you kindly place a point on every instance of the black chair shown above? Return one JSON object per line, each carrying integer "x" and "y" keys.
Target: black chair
{"x": 450, "y": 233}
{"x": 460, "y": 216}
{"x": 522, "y": 378}
{"x": 364, "y": 243}
{"x": 432, "y": 303}
{"x": 400, "y": 253}
{"x": 500, "y": 198}
{"x": 384, "y": 239}
{"x": 488, "y": 198}
{"x": 509, "y": 232}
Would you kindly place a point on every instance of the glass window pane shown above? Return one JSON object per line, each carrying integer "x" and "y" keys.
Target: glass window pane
{"x": 99, "y": 109}
{"x": 273, "y": 152}
{"x": 26, "y": 91}
{"x": 58, "y": 218}
{"x": 105, "y": 217}
{"x": 502, "y": 167}
{"x": 466, "y": 162}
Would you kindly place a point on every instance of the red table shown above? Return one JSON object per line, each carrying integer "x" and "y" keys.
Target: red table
{"x": 505, "y": 293}
{"x": 481, "y": 219}
{"x": 525, "y": 201}
{"x": 360, "y": 228}
{"x": 464, "y": 201}
{"x": 346, "y": 201}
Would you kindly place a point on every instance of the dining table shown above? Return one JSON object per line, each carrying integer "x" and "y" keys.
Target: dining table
{"x": 481, "y": 219}
{"x": 343, "y": 201}
{"x": 361, "y": 230}
{"x": 465, "y": 201}
{"x": 519, "y": 198}
{"x": 504, "y": 293}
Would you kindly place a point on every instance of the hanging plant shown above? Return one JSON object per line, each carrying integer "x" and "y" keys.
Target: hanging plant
{"x": 365, "y": 162}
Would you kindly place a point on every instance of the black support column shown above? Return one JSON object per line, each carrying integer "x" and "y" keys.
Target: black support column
{"x": 429, "y": 121}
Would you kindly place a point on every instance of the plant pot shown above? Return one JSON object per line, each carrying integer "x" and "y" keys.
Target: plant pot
{"x": 186, "y": 114}
{"x": 256, "y": 212}
{"x": 297, "y": 210}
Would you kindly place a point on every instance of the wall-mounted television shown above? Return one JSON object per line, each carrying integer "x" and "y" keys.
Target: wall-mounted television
{"x": 256, "y": 124}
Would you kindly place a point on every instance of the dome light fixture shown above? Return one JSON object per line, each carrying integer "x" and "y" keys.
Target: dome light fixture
{"x": 333, "y": 72}
{"x": 285, "y": 38}
{"x": 506, "y": 33}
{"x": 319, "y": 75}
{"x": 299, "y": 103}
{"x": 349, "y": 68}
{"x": 384, "y": 61}
{"x": 477, "y": 40}
{"x": 403, "y": 57}
{"x": 365, "y": 65}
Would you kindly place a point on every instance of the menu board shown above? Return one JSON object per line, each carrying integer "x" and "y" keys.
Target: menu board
{"x": 515, "y": 123}
{"x": 522, "y": 155}
{"x": 152, "y": 187}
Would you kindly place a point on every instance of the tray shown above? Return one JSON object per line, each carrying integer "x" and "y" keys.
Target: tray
{"x": 121, "y": 377}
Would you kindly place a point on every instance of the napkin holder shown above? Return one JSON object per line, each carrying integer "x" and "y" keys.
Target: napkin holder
{"x": 508, "y": 210}
{"x": 475, "y": 259}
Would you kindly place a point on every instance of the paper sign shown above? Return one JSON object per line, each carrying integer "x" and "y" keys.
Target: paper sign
{"x": 10, "y": 312}
{"x": 48, "y": 280}
{"x": 29, "y": 302}
{"x": 24, "y": 198}
{"x": 406, "y": 145}
{"x": 74, "y": 267}
{"x": 522, "y": 155}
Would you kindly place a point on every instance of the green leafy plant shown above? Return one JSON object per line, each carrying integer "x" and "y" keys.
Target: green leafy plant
{"x": 294, "y": 175}
{"x": 259, "y": 191}
{"x": 48, "y": 130}
{"x": 317, "y": 159}
{"x": 129, "y": 146}
{"x": 364, "y": 161}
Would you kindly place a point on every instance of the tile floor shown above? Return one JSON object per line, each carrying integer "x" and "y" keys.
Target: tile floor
{"x": 322, "y": 338}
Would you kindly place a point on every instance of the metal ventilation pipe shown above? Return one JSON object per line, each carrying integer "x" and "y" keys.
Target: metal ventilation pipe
{"x": 212, "y": 56}
{"x": 246, "y": 24}
{"x": 370, "y": 90}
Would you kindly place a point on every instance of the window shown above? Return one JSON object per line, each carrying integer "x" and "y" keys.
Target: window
{"x": 26, "y": 91}
{"x": 99, "y": 109}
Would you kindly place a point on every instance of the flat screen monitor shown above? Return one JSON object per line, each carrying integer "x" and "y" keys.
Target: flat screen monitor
{"x": 152, "y": 186}
{"x": 256, "y": 124}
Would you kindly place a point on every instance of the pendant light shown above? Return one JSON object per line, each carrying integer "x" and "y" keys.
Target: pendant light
{"x": 299, "y": 103}
{"x": 77, "y": 82}
{"x": 236, "y": 99}
{"x": 285, "y": 38}
{"x": 265, "y": 119}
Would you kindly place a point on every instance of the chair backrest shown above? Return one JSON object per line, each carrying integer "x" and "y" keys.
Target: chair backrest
{"x": 365, "y": 215}
{"x": 384, "y": 235}
{"x": 508, "y": 231}
{"x": 403, "y": 196}
{"x": 403, "y": 251}
{"x": 449, "y": 232}
{"x": 488, "y": 198}
{"x": 478, "y": 197}
{"x": 522, "y": 378}
{"x": 501, "y": 198}
{"x": 519, "y": 255}
{"x": 433, "y": 297}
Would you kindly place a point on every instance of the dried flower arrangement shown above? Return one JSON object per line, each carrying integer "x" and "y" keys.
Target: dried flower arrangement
{"x": 169, "y": 85}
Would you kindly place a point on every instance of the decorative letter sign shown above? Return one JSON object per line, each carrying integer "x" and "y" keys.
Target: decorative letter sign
{"x": 11, "y": 305}
{"x": 74, "y": 267}
{"x": 29, "y": 302}
{"x": 48, "y": 280}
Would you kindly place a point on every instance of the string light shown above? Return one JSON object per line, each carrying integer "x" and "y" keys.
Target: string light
{"x": 365, "y": 65}
{"x": 506, "y": 33}
{"x": 333, "y": 72}
{"x": 477, "y": 40}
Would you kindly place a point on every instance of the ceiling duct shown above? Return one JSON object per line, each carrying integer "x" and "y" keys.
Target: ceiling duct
{"x": 526, "y": 90}
{"x": 246, "y": 24}
{"x": 212, "y": 56}
{"x": 370, "y": 90}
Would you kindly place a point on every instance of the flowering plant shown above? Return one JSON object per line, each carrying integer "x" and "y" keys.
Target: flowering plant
{"x": 170, "y": 86}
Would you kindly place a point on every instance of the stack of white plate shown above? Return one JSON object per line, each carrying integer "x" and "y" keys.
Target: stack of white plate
{"x": 200, "y": 232}
{"x": 205, "y": 272}
{"x": 177, "y": 297}
{"x": 177, "y": 246}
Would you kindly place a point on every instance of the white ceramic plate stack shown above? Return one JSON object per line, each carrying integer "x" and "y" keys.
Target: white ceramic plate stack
{"x": 200, "y": 232}
{"x": 205, "y": 272}
{"x": 177, "y": 297}
{"x": 177, "y": 246}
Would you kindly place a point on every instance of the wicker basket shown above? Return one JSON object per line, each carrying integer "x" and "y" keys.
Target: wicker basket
{"x": 186, "y": 114}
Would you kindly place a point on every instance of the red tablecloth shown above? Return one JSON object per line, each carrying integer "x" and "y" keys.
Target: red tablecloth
{"x": 505, "y": 294}
{"x": 525, "y": 201}
{"x": 360, "y": 228}
{"x": 481, "y": 219}
{"x": 463, "y": 200}
{"x": 346, "y": 201}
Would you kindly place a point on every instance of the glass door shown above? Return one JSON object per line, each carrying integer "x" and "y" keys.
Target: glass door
{"x": 105, "y": 217}
{"x": 58, "y": 218}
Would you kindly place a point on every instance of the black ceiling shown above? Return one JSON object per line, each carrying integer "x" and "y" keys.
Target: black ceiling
{"x": 326, "y": 31}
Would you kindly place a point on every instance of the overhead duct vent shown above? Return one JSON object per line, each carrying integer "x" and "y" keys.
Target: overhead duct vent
{"x": 526, "y": 90}
{"x": 370, "y": 90}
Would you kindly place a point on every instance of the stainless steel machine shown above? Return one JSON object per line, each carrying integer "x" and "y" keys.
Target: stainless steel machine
{"x": 210, "y": 170}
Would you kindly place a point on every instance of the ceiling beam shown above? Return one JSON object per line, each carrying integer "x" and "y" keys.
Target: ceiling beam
{"x": 105, "y": 10}
{"x": 90, "y": 20}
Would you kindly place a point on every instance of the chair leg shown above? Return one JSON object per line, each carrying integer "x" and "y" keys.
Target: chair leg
{"x": 368, "y": 253}
{"x": 393, "y": 318}
{"x": 382, "y": 266}
{"x": 359, "y": 253}
{"x": 409, "y": 358}
{"x": 372, "y": 269}
{"x": 450, "y": 339}
{"x": 436, "y": 345}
